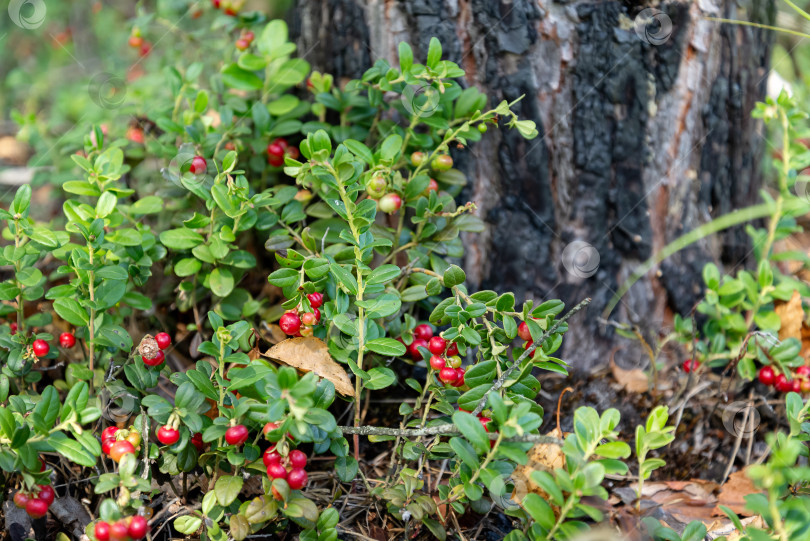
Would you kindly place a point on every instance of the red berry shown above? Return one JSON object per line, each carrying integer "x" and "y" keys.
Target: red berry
{"x": 135, "y": 42}
{"x": 803, "y": 371}
{"x": 109, "y": 433}
{"x": 280, "y": 141}
{"x": 452, "y": 349}
{"x": 36, "y": 508}
{"x": 290, "y": 323}
{"x": 249, "y": 35}
{"x": 67, "y": 340}
{"x": 423, "y": 331}
{"x": 102, "y": 531}
{"x": 271, "y": 456}
{"x": 157, "y": 360}
{"x": 276, "y": 471}
{"x": 416, "y": 355}
{"x": 13, "y": 327}
{"x": 242, "y": 44}
{"x": 484, "y": 422}
{"x": 460, "y": 381}
{"x": 41, "y": 465}
{"x": 766, "y": 375}
{"x": 448, "y": 375}
{"x": 297, "y": 478}
{"x": 298, "y": 459}
{"x": 437, "y": 362}
{"x": 46, "y": 493}
{"x": 523, "y": 331}
{"x": 390, "y": 203}
{"x": 292, "y": 152}
{"x": 437, "y": 345}
{"x": 805, "y": 385}
{"x": 275, "y": 154}
{"x": 121, "y": 448}
{"x": 41, "y": 348}
{"x": 308, "y": 318}
{"x": 269, "y": 427}
{"x": 119, "y": 531}
{"x": 197, "y": 442}
{"x": 168, "y": 435}
{"x": 145, "y": 48}
{"x": 163, "y": 340}
{"x": 137, "y": 527}
{"x": 782, "y": 384}
{"x": 21, "y": 499}
{"x": 106, "y": 446}
{"x": 198, "y": 165}
{"x": 432, "y": 186}
{"x": 216, "y": 3}
{"x": 315, "y": 299}
{"x": 796, "y": 385}
{"x": 236, "y": 435}
{"x": 690, "y": 364}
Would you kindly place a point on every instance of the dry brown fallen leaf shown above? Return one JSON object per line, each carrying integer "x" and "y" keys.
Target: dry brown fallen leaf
{"x": 310, "y": 354}
{"x": 633, "y": 380}
{"x": 683, "y": 500}
{"x": 791, "y": 315}
{"x": 733, "y": 493}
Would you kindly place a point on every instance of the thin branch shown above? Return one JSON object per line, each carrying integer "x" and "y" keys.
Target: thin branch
{"x": 444, "y": 429}
{"x": 537, "y": 343}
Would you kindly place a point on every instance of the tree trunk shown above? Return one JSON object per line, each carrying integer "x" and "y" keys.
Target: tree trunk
{"x": 645, "y": 133}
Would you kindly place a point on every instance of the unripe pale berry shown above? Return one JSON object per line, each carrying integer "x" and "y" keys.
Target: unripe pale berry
{"x": 390, "y": 203}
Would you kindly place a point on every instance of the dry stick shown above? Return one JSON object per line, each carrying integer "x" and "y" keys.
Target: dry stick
{"x": 444, "y": 429}
{"x": 539, "y": 342}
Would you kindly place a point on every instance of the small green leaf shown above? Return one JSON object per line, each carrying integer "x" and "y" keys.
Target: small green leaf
{"x": 227, "y": 489}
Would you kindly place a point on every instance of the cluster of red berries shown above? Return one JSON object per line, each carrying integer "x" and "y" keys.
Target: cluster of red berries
{"x": 35, "y": 504}
{"x": 245, "y": 40}
{"x": 125, "y": 529}
{"x": 289, "y": 468}
{"x": 41, "y": 348}
{"x": 163, "y": 341}
{"x": 136, "y": 41}
{"x": 444, "y": 355}
{"x": 799, "y": 381}
{"x": 116, "y": 442}
{"x": 484, "y": 422}
{"x": 277, "y": 149}
{"x": 300, "y": 323}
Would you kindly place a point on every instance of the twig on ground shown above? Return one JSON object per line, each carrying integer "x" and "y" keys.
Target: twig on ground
{"x": 444, "y": 429}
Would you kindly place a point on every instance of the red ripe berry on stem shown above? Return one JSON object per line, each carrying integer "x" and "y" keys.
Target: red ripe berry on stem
{"x": 119, "y": 531}
{"x": 437, "y": 345}
{"x": 36, "y": 508}
{"x": 137, "y": 527}
{"x": 413, "y": 349}
{"x": 163, "y": 340}
{"x": 796, "y": 385}
{"x": 782, "y": 384}
{"x": 46, "y": 493}
{"x": 109, "y": 433}
{"x": 803, "y": 371}
{"x": 67, "y": 340}
{"x": 106, "y": 446}
{"x": 157, "y": 360}
{"x": 452, "y": 349}
{"x": 41, "y": 347}
{"x": 102, "y": 531}
{"x": 308, "y": 318}
{"x": 269, "y": 427}
{"x": 315, "y": 299}
{"x": 523, "y": 331}
{"x": 198, "y": 165}
{"x": 423, "y": 331}
{"x": 460, "y": 381}
{"x": 297, "y": 478}
{"x": 276, "y": 471}
{"x": 21, "y": 499}
{"x": 437, "y": 362}
{"x": 242, "y": 44}
{"x": 236, "y": 435}
{"x": 448, "y": 375}
{"x": 767, "y": 376}
{"x": 275, "y": 154}
{"x": 168, "y": 435}
{"x": 298, "y": 459}
{"x": 197, "y": 442}
{"x": 13, "y": 328}
{"x": 271, "y": 456}
{"x": 249, "y": 35}
{"x": 690, "y": 364}
{"x": 121, "y": 448}
{"x": 290, "y": 323}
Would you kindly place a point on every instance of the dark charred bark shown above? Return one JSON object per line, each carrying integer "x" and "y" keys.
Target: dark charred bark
{"x": 641, "y": 139}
